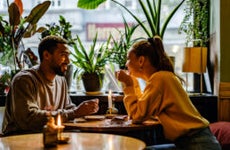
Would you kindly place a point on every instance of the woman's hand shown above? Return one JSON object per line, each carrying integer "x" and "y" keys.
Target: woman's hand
{"x": 124, "y": 77}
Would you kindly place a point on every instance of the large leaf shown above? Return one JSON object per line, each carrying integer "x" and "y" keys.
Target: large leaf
{"x": 152, "y": 22}
{"x": 14, "y": 14}
{"x": 20, "y": 5}
{"x": 151, "y": 10}
{"x": 141, "y": 23}
{"x": 170, "y": 17}
{"x": 89, "y": 4}
{"x": 37, "y": 12}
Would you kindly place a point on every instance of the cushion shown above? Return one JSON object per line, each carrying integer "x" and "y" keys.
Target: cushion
{"x": 222, "y": 132}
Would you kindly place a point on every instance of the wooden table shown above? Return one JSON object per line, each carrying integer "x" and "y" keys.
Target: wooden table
{"x": 106, "y": 125}
{"x": 78, "y": 141}
{"x": 150, "y": 133}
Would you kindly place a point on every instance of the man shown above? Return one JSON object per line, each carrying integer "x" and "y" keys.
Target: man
{"x": 42, "y": 91}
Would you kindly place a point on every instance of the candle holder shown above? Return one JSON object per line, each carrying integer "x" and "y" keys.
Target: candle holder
{"x": 61, "y": 139}
{"x": 50, "y": 138}
{"x": 52, "y": 134}
{"x": 111, "y": 112}
{"x": 59, "y": 132}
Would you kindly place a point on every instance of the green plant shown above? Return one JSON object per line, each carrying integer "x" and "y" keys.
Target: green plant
{"x": 18, "y": 27}
{"x": 90, "y": 63}
{"x": 4, "y": 82}
{"x": 151, "y": 11}
{"x": 62, "y": 29}
{"x": 195, "y": 22}
{"x": 118, "y": 52}
{"x": 92, "y": 60}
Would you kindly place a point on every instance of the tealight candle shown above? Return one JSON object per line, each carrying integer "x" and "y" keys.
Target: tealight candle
{"x": 60, "y": 127}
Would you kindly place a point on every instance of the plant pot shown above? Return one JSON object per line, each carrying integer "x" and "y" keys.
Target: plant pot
{"x": 92, "y": 82}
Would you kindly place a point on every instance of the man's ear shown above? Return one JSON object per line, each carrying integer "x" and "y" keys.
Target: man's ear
{"x": 46, "y": 55}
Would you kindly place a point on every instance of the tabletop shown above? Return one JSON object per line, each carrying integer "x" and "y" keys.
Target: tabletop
{"x": 150, "y": 131}
{"x": 78, "y": 141}
{"x": 100, "y": 124}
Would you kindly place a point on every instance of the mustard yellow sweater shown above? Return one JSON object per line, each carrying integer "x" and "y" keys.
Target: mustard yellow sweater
{"x": 165, "y": 98}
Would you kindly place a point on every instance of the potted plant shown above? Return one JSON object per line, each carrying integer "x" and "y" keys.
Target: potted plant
{"x": 119, "y": 50}
{"x": 90, "y": 63}
{"x": 195, "y": 26}
{"x": 152, "y": 25}
{"x": 18, "y": 27}
{"x": 195, "y": 23}
{"x": 62, "y": 29}
{"x": 151, "y": 11}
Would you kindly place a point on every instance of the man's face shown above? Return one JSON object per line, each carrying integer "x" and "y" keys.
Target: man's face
{"x": 60, "y": 59}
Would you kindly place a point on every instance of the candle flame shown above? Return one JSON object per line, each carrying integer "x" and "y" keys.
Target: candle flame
{"x": 59, "y": 120}
{"x": 110, "y": 92}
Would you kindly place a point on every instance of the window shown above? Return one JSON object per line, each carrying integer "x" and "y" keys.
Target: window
{"x": 108, "y": 15}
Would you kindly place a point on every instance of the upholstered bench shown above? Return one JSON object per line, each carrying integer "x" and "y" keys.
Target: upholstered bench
{"x": 222, "y": 132}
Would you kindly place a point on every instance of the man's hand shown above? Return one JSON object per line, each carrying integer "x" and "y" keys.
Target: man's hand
{"x": 87, "y": 107}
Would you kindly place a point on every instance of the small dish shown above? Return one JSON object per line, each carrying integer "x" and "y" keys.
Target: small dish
{"x": 95, "y": 117}
{"x": 63, "y": 140}
{"x": 93, "y": 93}
{"x": 79, "y": 120}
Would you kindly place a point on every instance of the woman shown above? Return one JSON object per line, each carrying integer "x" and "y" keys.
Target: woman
{"x": 163, "y": 97}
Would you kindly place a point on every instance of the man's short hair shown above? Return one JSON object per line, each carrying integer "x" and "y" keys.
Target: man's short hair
{"x": 49, "y": 43}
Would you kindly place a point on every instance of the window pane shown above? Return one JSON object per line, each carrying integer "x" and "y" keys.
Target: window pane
{"x": 107, "y": 18}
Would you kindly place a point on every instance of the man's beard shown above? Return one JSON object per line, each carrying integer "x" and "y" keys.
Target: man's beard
{"x": 58, "y": 71}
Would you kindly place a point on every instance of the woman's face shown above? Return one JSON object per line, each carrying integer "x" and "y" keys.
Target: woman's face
{"x": 133, "y": 64}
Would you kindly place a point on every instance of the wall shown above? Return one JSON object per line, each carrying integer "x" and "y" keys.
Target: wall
{"x": 219, "y": 23}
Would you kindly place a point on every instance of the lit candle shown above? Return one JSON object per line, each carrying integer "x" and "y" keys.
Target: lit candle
{"x": 59, "y": 120}
{"x": 59, "y": 127}
{"x": 110, "y": 99}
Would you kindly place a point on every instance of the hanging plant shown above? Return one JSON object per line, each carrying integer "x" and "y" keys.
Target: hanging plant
{"x": 195, "y": 23}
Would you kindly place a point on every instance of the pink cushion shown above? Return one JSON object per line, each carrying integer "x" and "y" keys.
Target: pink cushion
{"x": 222, "y": 132}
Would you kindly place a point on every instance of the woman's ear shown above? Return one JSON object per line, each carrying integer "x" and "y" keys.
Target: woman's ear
{"x": 141, "y": 60}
